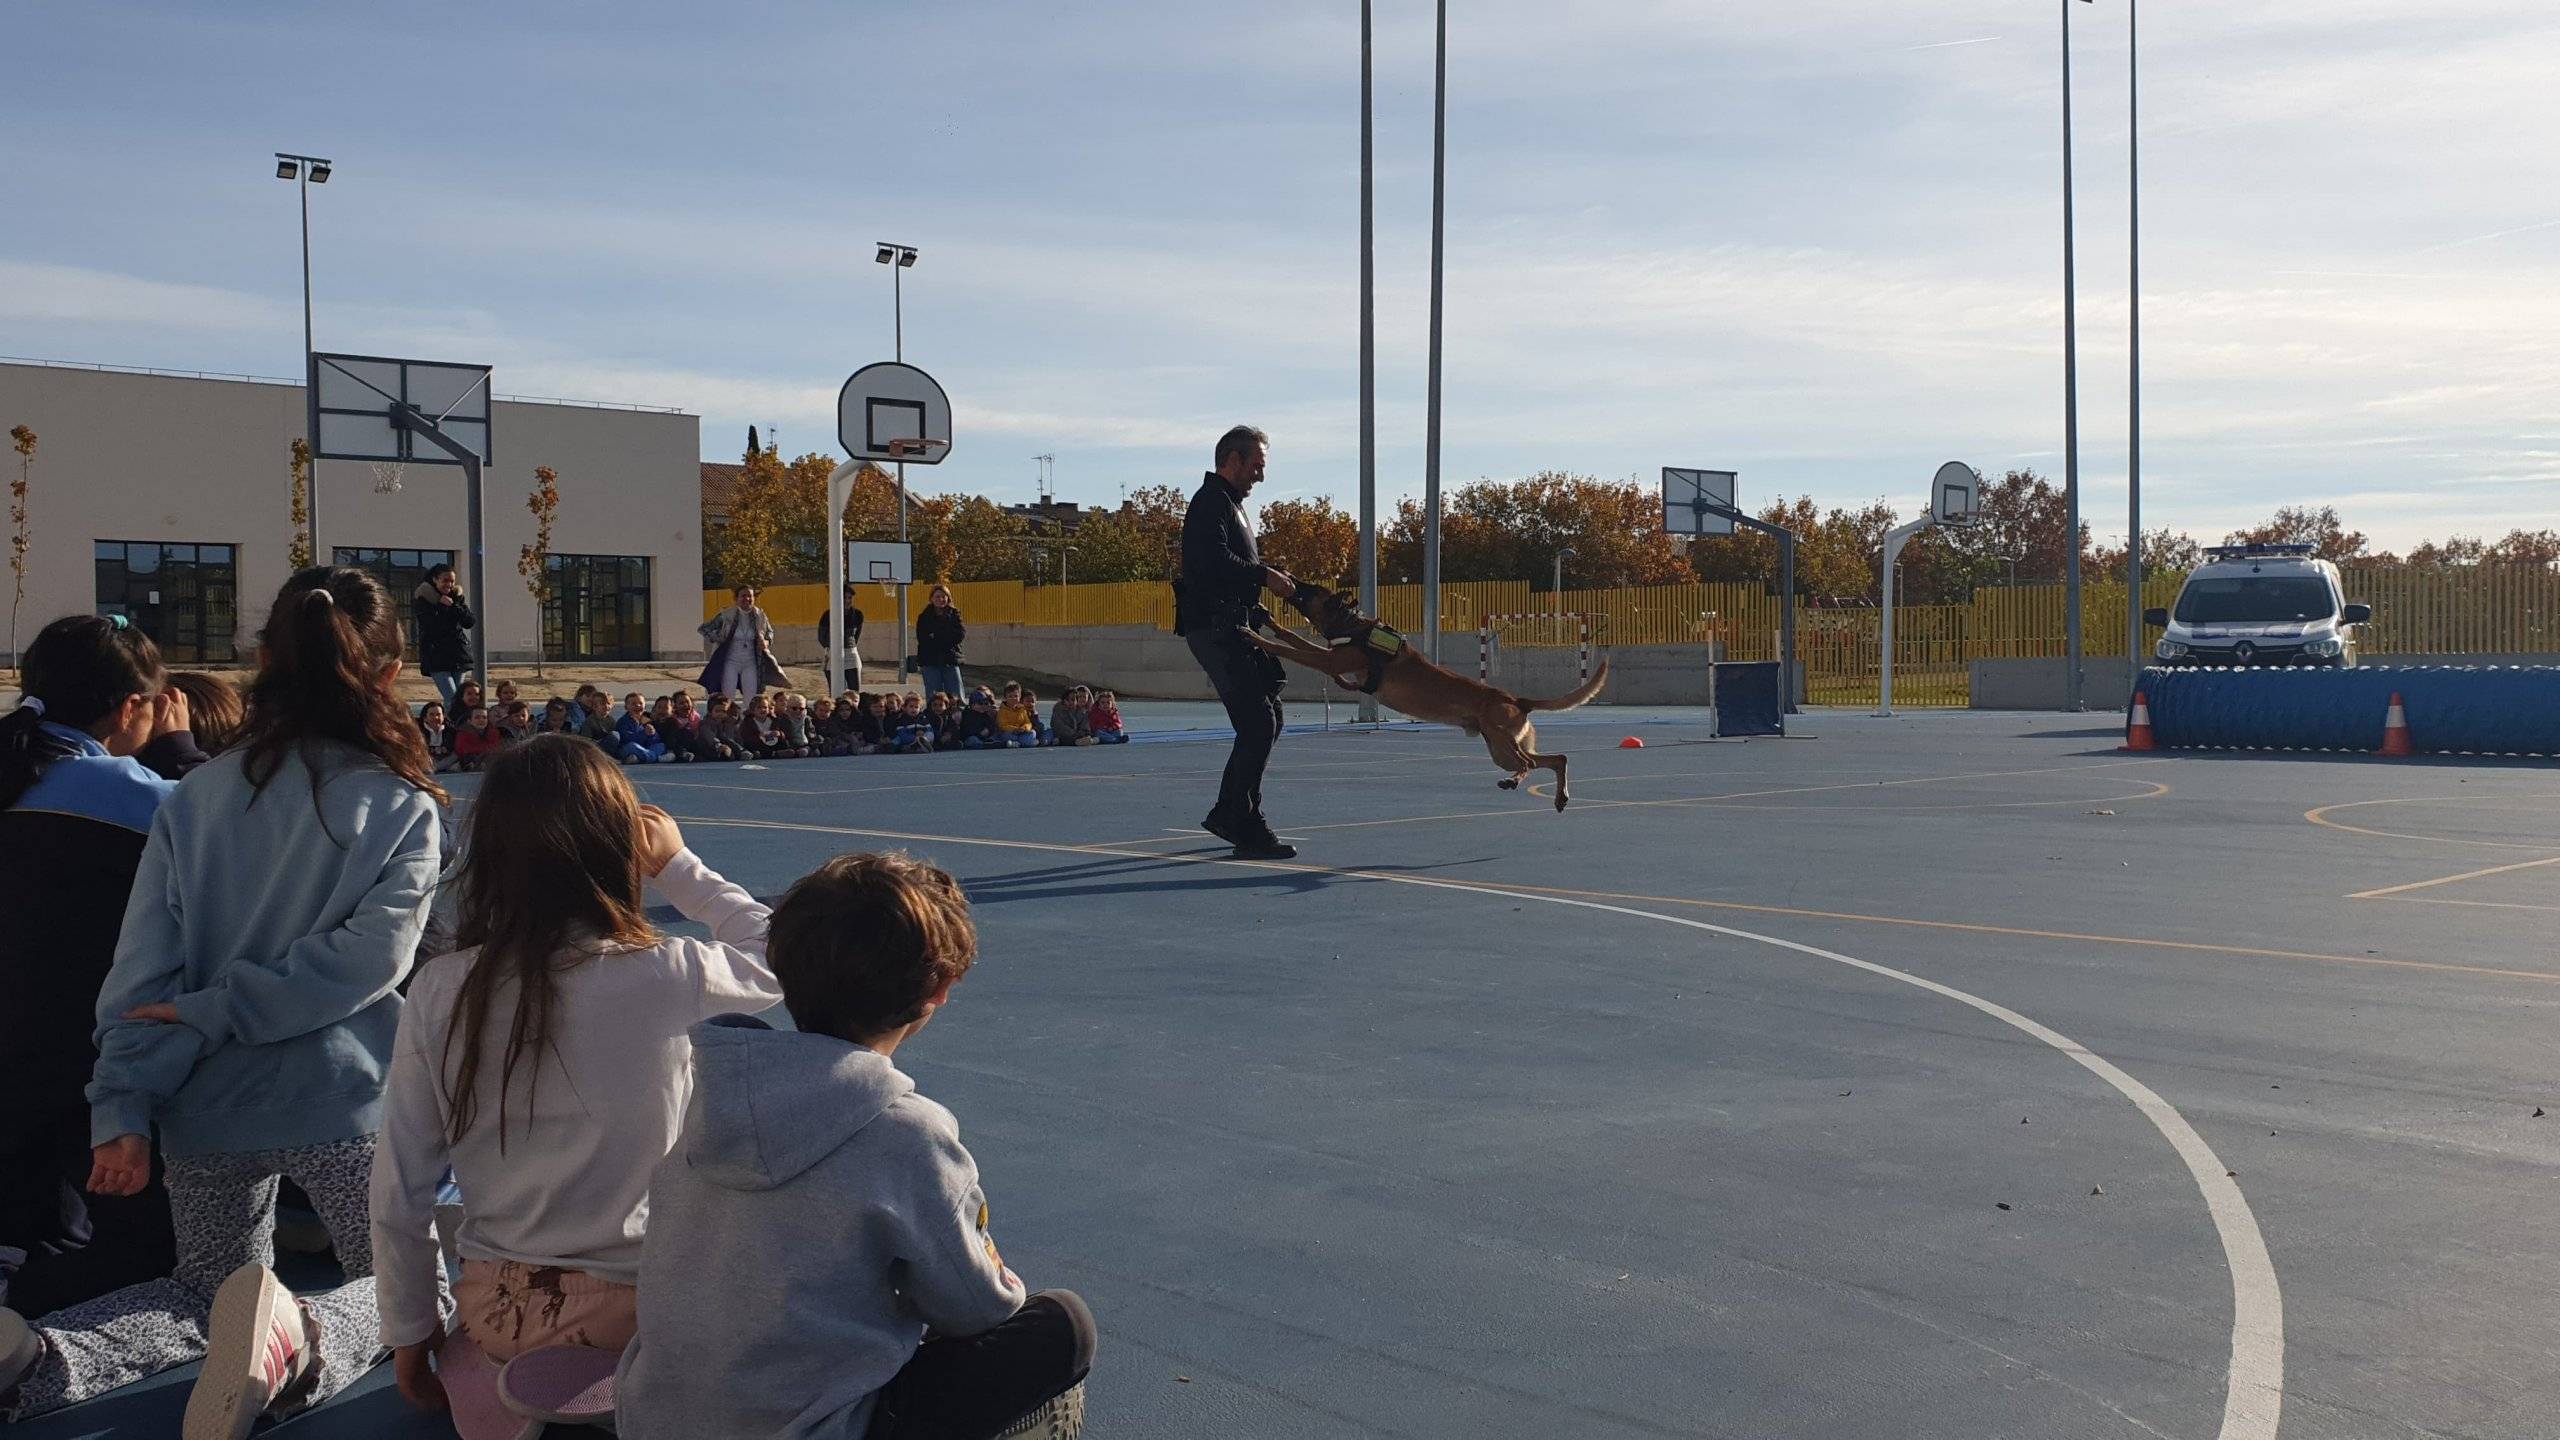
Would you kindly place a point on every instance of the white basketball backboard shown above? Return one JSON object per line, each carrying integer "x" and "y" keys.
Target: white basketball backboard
{"x": 891, "y": 412}
{"x": 1955, "y": 493}
{"x": 357, "y": 394}
{"x": 879, "y": 562}
{"x": 1686, "y": 494}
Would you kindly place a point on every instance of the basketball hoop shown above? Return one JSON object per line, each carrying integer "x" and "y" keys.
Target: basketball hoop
{"x": 916, "y": 448}
{"x": 387, "y": 475}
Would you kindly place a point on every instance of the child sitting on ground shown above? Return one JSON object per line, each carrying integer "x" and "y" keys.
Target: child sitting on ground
{"x": 1105, "y": 720}
{"x": 636, "y": 741}
{"x": 978, "y": 729}
{"x": 515, "y": 723}
{"x": 760, "y": 731}
{"x": 1016, "y": 721}
{"x": 438, "y": 736}
{"x": 791, "y": 708}
{"x": 596, "y": 720}
{"x": 546, "y": 1063}
{"x": 720, "y": 722}
{"x": 215, "y": 711}
{"x": 1072, "y": 720}
{"x": 944, "y": 714}
{"x": 477, "y": 740}
{"x": 906, "y": 1322}
{"x": 875, "y": 729}
{"x": 558, "y": 718}
{"x": 914, "y": 730}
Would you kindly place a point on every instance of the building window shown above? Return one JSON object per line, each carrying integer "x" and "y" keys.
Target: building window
{"x": 400, "y": 571}
{"x": 598, "y": 608}
{"x": 185, "y": 597}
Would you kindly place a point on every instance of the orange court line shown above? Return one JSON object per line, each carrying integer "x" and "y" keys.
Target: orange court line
{"x": 2320, "y": 815}
{"x": 2392, "y": 890}
{"x": 2191, "y": 946}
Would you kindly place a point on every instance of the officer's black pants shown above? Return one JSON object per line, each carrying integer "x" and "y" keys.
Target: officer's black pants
{"x": 1248, "y": 683}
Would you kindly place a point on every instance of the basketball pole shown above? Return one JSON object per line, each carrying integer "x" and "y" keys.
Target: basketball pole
{"x": 409, "y": 417}
{"x": 839, "y": 487}
{"x": 1368, "y": 711}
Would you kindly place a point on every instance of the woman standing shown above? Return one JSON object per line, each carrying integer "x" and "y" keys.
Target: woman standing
{"x": 438, "y": 616}
{"x": 939, "y": 632}
{"x": 741, "y": 643}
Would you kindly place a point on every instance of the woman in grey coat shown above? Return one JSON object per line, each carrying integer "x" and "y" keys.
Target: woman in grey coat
{"x": 740, "y": 640}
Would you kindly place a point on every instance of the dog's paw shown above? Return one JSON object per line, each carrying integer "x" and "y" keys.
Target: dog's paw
{"x": 1561, "y": 797}
{"x": 1507, "y": 783}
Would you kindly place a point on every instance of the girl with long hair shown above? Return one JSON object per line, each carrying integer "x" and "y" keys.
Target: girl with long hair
{"x": 546, "y": 1061}
{"x": 76, "y": 804}
{"x": 248, "y": 1020}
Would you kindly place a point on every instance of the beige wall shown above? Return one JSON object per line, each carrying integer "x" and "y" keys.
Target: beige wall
{"x": 147, "y": 457}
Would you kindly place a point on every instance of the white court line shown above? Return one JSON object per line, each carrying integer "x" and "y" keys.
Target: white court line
{"x": 2253, "y": 1393}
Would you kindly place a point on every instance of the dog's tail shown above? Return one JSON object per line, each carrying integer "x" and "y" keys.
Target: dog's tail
{"x": 1580, "y": 697}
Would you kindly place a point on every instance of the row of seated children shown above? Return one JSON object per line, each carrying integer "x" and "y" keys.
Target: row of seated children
{"x": 634, "y": 1213}
{"x": 1080, "y": 718}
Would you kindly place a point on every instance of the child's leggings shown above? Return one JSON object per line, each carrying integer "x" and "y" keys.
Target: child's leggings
{"x": 224, "y": 1209}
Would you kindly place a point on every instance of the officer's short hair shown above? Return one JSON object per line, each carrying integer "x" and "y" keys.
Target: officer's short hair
{"x": 1238, "y": 441}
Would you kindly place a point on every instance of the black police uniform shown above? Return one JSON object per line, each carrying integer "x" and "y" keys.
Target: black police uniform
{"x": 1222, "y": 576}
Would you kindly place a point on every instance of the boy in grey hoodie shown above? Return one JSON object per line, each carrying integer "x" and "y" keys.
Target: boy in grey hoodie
{"x": 818, "y": 1262}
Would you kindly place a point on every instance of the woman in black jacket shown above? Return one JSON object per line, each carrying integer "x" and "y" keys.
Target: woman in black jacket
{"x": 939, "y": 632}
{"x": 438, "y": 615}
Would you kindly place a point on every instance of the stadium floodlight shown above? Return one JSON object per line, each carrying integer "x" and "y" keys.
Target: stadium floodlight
{"x": 319, "y": 172}
{"x": 285, "y": 169}
{"x": 887, "y": 255}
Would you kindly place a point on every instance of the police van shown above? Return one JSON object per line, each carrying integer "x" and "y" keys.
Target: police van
{"x": 2260, "y": 605}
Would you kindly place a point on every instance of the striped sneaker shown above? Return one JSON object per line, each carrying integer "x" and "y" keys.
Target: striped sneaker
{"x": 256, "y": 1346}
{"x": 1061, "y": 1418}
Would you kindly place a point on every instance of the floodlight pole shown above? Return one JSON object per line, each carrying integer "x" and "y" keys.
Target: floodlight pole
{"x": 1894, "y": 540}
{"x": 2071, "y": 685}
{"x": 1368, "y": 711}
{"x": 1431, "y": 423}
{"x": 2133, "y": 447}
{"x": 410, "y": 418}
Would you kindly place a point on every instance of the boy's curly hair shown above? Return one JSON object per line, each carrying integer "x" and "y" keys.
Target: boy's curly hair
{"x": 863, "y": 941}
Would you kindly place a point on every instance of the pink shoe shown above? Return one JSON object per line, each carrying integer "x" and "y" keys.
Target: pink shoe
{"x": 257, "y": 1346}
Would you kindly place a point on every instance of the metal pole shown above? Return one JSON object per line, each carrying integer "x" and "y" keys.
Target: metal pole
{"x": 479, "y": 591}
{"x": 1787, "y": 621}
{"x": 1894, "y": 540}
{"x": 1368, "y": 711}
{"x": 839, "y": 483}
{"x": 2071, "y": 693}
{"x": 1431, "y": 423}
{"x": 898, "y": 318}
{"x": 2133, "y": 449}
{"x": 1559, "y": 581}
{"x": 311, "y": 470}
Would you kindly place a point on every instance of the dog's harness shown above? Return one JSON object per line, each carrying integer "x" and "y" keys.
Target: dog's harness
{"x": 1379, "y": 644}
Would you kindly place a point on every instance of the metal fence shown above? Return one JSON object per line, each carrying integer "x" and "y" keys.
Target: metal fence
{"x": 2464, "y": 610}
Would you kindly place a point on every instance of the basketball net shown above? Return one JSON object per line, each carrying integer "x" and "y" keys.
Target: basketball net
{"x": 387, "y": 475}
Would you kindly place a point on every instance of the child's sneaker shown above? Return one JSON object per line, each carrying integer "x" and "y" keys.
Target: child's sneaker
{"x": 256, "y": 1347}
{"x": 20, "y": 1349}
{"x": 1060, "y": 1419}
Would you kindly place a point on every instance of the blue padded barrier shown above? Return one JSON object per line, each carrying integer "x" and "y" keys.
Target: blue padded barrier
{"x": 2470, "y": 710}
{"x": 1747, "y": 699}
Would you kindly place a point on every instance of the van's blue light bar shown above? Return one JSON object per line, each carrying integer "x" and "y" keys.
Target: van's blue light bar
{"x": 2227, "y": 552}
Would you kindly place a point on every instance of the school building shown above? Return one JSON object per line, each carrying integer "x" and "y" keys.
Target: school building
{"x": 166, "y": 497}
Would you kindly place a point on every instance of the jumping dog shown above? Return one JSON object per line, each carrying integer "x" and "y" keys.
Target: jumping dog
{"x": 1369, "y": 657}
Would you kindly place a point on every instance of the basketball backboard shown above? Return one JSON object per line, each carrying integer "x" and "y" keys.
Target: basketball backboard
{"x": 890, "y": 413}
{"x": 355, "y": 398}
{"x": 1955, "y": 493}
{"x": 879, "y": 562}
{"x": 1686, "y": 494}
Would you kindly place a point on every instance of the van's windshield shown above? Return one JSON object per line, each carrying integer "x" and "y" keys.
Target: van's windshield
{"x": 2242, "y": 599}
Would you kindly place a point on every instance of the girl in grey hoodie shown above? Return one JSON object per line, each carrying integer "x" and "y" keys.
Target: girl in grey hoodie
{"x": 818, "y": 1260}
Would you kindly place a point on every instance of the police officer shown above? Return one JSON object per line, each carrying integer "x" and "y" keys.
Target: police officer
{"x": 1220, "y": 594}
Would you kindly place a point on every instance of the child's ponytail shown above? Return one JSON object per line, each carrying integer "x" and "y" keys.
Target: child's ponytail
{"x": 79, "y": 670}
{"x": 329, "y": 646}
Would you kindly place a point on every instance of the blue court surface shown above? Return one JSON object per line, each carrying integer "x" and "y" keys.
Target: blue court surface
{"x": 1954, "y": 1075}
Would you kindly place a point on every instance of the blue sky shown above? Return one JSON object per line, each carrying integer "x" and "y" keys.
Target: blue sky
{"x": 1811, "y": 240}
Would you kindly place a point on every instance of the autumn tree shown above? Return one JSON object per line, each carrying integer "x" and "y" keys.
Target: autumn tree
{"x": 534, "y": 561}
{"x": 23, "y": 440}
{"x": 1512, "y": 529}
{"x": 754, "y": 547}
{"x": 2321, "y": 529}
{"x": 1310, "y": 539}
{"x": 1141, "y": 540}
{"x": 298, "y": 503}
{"x": 2164, "y": 551}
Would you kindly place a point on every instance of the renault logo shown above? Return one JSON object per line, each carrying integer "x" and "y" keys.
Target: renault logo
{"x": 2244, "y": 652}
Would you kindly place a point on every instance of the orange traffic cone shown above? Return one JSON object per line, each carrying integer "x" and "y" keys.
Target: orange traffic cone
{"x": 2137, "y": 735}
{"x": 2395, "y": 730}
{"x": 1631, "y": 743}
